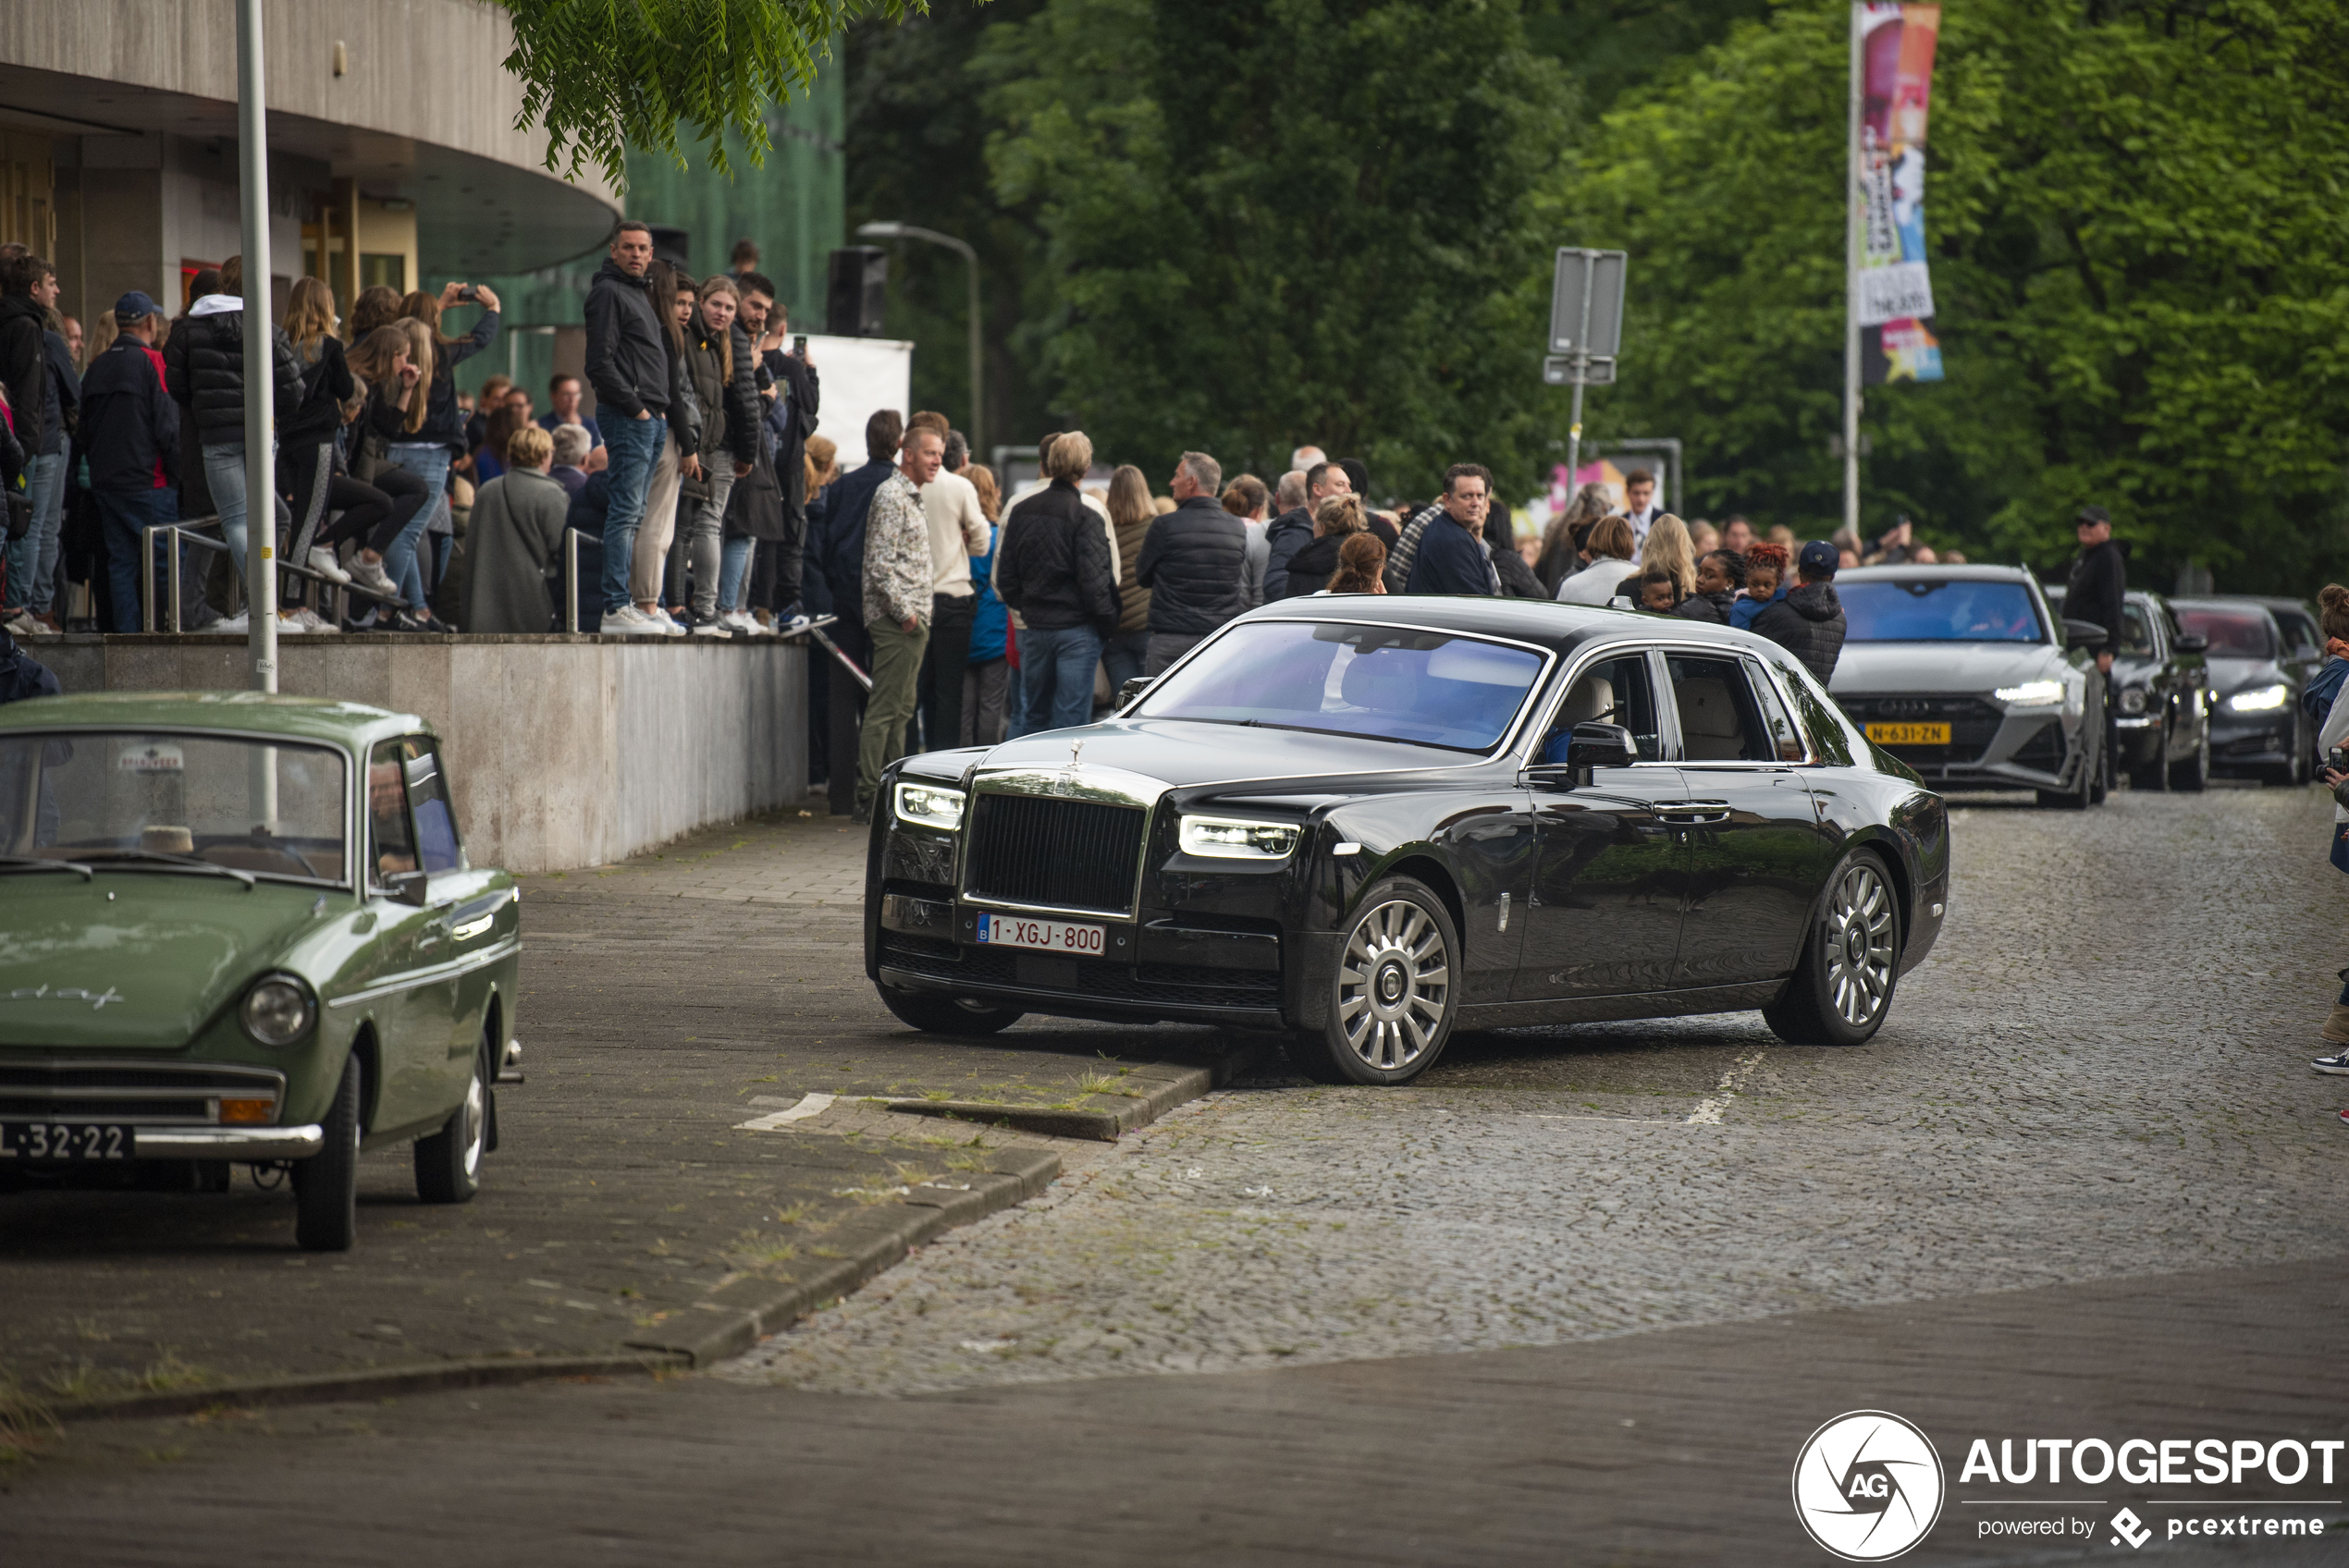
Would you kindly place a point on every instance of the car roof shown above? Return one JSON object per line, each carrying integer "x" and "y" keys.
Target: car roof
{"x": 2213, "y": 602}
{"x": 308, "y": 718}
{"x": 2297, "y": 607}
{"x": 1969, "y": 572}
{"x": 1553, "y": 625}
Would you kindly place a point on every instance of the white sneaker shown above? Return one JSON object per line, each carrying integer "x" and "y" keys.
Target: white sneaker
{"x": 312, "y": 622}
{"x": 322, "y": 562}
{"x": 21, "y": 624}
{"x": 795, "y": 626}
{"x": 238, "y": 624}
{"x": 714, "y": 626}
{"x": 371, "y": 576}
{"x": 629, "y": 621}
{"x": 661, "y": 618}
{"x": 289, "y": 624}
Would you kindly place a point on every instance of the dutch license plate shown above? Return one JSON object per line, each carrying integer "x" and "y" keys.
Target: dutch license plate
{"x": 1909, "y": 734}
{"x": 1045, "y": 936}
{"x": 68, "y": 1140}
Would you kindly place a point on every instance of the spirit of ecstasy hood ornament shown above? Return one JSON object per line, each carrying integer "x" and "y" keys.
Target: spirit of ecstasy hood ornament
{"x": 1075, "y": 755}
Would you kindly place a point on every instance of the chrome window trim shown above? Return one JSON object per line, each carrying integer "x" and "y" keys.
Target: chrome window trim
{"x": 1585, "y": 656}
{"x": 433, "y": 976}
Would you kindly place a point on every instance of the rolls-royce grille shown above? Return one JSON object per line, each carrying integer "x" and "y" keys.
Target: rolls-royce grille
{"x": 1037, "y": 849}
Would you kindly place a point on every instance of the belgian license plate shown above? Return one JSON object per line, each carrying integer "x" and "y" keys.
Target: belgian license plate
{"x": 68, "y": 1140}
{"x": 1909, "y": 734}
{"x": 1046, "y": 935}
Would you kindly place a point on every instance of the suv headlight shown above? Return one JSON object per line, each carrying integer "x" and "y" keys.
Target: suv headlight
{"x": 2031, "y": 695}
{"x": 2259, "y": 699}
{"x": 928, "y": 805}
{"x": 1227, "y": 837}
{"x": 2133, "y": 700}
{"x": 277, "y": 1011}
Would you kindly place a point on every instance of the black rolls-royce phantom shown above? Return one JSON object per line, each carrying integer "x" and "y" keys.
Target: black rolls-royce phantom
{"x": 1365, "y": 822}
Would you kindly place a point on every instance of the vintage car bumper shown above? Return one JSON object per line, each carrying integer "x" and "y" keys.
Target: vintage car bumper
{"x": 230, "y": 1143}
{"x": 173, "y": 1109}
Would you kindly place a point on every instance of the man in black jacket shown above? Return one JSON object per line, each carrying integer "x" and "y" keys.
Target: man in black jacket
{"x": 1293, "y": 529}
{"x": 28, "y": 288}
{"x": 1053, "y": 569}
{"x": 1194, "y": 561}
{"x": 2098, "y": 590}
{"x": 1808, "y": 623}
{"x": 204, "y": 363}
{"x": 628, "y": 364}
{"x": 130, "y": 435}
{"x": 1453, "y": 557}
{"x": 793, "y": 394}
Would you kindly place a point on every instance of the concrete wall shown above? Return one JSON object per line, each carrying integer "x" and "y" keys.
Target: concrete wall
{"x": 564, "y": 751}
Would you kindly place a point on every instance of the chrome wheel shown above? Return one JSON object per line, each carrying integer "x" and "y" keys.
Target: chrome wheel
{"x": 1394, "y": 986}
{"x": 1858, "y": 934}
{"x": 473, "y": 1125}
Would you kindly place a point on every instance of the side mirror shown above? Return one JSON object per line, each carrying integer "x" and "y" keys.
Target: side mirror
{"x": 2084, "y": 634}
{"x": 1600, "y": 745}
{"x": 410, "y": 886}
{"x": 1131, "y": 691}
{"x": 2193, "y": 642}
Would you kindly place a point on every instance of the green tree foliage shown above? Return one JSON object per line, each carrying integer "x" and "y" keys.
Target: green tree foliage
{"x": 603, "y": 76}
{"x": 1272, "y": 221}
{"x": 2136, "y": 217}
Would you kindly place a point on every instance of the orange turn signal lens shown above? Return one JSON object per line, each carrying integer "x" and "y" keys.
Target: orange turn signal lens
{"x": 247, "y": 1110}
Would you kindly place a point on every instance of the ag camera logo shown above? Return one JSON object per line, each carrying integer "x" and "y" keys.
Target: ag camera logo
{"x": 1868, "y": 1485}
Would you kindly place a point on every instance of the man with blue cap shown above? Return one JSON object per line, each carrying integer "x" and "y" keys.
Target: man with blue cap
{"x": 1808, "y": 623}
{"x": 130, "y": 433}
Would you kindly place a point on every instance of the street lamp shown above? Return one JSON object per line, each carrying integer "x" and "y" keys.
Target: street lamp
{"x": 908, "y": 231}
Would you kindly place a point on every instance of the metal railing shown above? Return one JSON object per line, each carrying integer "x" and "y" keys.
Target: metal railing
{"x": 190, "y": 531}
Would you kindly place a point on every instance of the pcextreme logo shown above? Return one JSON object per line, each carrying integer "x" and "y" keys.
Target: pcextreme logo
{"x": 1868, "y": 1485}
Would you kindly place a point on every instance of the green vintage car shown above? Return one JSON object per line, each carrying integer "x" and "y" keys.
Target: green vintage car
{"x": 240, "y": 929}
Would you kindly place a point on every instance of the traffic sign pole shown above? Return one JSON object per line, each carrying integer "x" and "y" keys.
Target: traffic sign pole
{"x": 1586, "y": 331}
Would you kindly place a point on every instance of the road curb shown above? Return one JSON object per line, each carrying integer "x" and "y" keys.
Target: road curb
{"x": 1168, "y": 1087}
{"x": 737, "y": 1316}
{"x": 374, "y": 1382}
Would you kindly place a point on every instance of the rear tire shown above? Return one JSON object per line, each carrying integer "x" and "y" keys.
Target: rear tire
{"x": 2192, "y": 774}
{"x": 1393, "y": 995}
{"x": 327, "y": 1185}
{"x": 1843, "y": 983}
{"x": 448, "y": 1162}
{"x": 937, "y": 1014}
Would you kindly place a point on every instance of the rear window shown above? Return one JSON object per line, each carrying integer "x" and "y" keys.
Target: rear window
{"x": 2242, "y": 634}
{"x": 1939, "y": 609}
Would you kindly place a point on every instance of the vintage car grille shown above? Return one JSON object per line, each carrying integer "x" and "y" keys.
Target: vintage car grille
{"x": 103, "y": 1091}
{"x": 1973, "y": 724}
{"x": 1174, "y": 984}
{"x": 1064, "y": 855}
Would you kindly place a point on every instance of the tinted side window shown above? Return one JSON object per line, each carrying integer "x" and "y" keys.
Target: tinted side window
{"x": 428, "y": 798}
{"x": 2136, "y": 637}
{"x": 1785, "y": 742}
{"x": 1719, "y": 721}
{"x": 391, "y": 845}
{"x": 1614, "y": 691}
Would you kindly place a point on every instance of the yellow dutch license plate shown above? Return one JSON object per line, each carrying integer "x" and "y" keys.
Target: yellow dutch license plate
{"x": 1909, "y": 734}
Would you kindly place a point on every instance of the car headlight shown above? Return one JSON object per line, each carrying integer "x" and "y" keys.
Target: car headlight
{"x": 2133, "y": 700}
{"x": 927, "y": 805}
{"x": 277, "y": 1011}
{"x": 1226, "y": 838}
{"x": 2031, "y": 695}
{"x": 2259, "y": 699}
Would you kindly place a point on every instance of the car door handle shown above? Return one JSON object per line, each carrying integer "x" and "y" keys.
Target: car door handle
{"x": 1685, "y": 811}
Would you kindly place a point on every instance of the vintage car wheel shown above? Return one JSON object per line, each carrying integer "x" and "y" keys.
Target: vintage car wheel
{"x": 1843, "y": 983}
{"x": 2192, "y": 774}
{"x": 448, "y": 1162}
{"x": 937, "y": 1014}
{"x": 327, "y": 1185}
{"x": 1394, "y": 997}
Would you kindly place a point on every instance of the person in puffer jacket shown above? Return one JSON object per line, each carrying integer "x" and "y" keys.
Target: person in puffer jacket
{"x": 203, "y": 363}
{"x": 1808, "y": 623}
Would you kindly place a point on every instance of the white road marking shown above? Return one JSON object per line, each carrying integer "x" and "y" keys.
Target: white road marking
{"x": 1709, "y": 1114}
{"x": 809, "y": 1105}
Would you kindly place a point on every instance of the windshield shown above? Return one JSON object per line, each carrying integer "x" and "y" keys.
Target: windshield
{"x": 1939, "y": 609}
{"x": 1387, "y": 683}
{"x": 2234, "y": 634}
{"x": 267, "y": 809}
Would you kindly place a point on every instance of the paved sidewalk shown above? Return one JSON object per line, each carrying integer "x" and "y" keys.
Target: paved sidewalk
{"x": 801, "y": 856}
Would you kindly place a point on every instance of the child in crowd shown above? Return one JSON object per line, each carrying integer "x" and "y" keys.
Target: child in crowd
{"x": 1766, "y": 577}
{"x": 1659, "y": 591}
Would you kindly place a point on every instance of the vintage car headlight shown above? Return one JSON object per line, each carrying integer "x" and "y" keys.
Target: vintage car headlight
{"x": 2133, "y": 700}
{"x": 2031, "y": 695}
{"x": 1227, "y": 837}
{"x": 2259, "y": 699}
{"x": 928, "y": 805}
{"x": 277, "y": 1011}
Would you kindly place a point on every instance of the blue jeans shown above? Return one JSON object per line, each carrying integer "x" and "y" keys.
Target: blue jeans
{"x": 429, "y": 463}
{"x": 127, "y": 515}
{"x": 224, "y": 474}
{"x": 33, "y": 560}
{"x": 634, "y": 446}
{"x": 734, "y": 571}
{"x": 1056, "y": 674}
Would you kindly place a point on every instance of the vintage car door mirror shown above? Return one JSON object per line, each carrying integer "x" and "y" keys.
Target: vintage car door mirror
{"x": 1131, "y": 691}
{"x": 1600, "y": 745}
{"x": 2084, "y": 634}
{"x": 409, "y": 886}
{"x": 2192, "y": 643}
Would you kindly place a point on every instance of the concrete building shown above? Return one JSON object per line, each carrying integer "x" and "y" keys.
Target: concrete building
{"x": 393, "y": 152}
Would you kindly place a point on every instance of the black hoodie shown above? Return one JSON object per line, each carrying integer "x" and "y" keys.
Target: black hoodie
{"x": 2098, "y": 588}
{"x": 1711, "y": 609}
{"x": 1807, "y": 623}
{"x": 24, "y": 366}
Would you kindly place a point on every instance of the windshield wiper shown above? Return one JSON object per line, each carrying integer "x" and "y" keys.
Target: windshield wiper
{"x": 190, "y": 862}
{"x": 36, "y": 863}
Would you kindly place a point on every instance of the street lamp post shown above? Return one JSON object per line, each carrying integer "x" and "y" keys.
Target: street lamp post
{"x": 261, "y": 435}
{"x": 908, "y": 231}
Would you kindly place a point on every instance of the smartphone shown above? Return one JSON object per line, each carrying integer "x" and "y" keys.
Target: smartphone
{"x": 799, "y": 345}
{"x": 468, "y": 294}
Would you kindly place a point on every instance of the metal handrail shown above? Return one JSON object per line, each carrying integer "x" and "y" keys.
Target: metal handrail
{"x": 185, "y": 531}
{"x": 571, "y": 579}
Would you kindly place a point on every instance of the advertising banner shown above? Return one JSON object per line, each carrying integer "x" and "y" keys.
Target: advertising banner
{"x": 1894, "y": 285}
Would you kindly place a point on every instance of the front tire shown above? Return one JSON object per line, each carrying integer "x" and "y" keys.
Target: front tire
{"x": 327, "y": 1185}
{"x": 2192, "y": 774}
{"x": 1842, "y": 984}
{"x": 1394, "y": 995}
{"x": 936, "y": 1014}
{"x": 448, "y": 1162}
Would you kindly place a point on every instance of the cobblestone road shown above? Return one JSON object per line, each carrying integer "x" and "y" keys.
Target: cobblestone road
{"x": 2101, "y": 1072}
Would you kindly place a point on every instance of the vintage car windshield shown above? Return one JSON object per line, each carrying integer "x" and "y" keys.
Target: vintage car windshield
{"x": 265, "y": 807}
{"x": 2234, "y": 634}
{"x": 1386, "y": 682}
{"x": 1939, "y": 609}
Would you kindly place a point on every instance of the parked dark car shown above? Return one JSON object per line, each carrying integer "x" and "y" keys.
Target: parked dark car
{"x": 2304, "y": 647}
{"x": 2257, "y": 727}
{"x": 1966, "y": 674}
{"x": 2160, "y": 692}
{"x": 1366, "y": 821}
